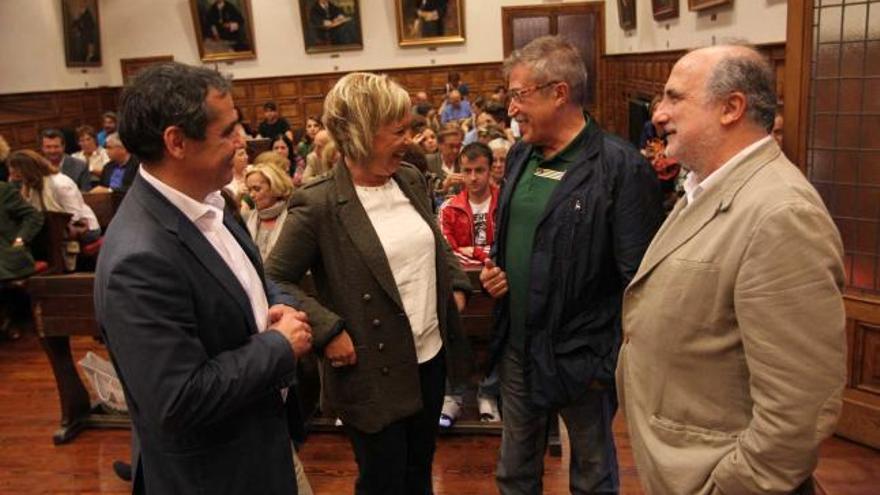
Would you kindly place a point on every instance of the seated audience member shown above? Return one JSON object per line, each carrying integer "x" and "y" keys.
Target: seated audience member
{"x": 19, "y": 224}
{"x": 237, "y": 187}
{"x": 427, "y": 139}
{"x": 120, "y": 172}
{"x": 296, "y": 166}
{"x": 4, "y": 154}
{"x": 269, "y": 189}
{"x": 455, "y": 108}
{"x": 467, "y": 222}
{"x": 450, "y": 140}
{"x": 273, "y": 124}
{"x": 490, "y": 133}
{"x": 420, "y": 99}
{"x": 315, "y": 165}
{"x": 499, "y": 148}
{"x": 500, "y": 95}
{"x": 495, "y": 115}
{"x": 90, "y": 152}
{"x": 453, "y": 83}
{"x": 108, "y": 126}
{"x": 52, "y": 146}
{"x": 477, "y": 107}
{"x": 307, "y": 141}
{"x": 467, "y": 219}
{"x": 275, "y": 159}
{"x": 46, "y": 189}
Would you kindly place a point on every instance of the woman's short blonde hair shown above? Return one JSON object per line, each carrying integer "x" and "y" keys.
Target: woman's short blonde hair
{"x": 274, "y": 159}
{"x": 279, "y": 182}
{"x": 357, "y": 106}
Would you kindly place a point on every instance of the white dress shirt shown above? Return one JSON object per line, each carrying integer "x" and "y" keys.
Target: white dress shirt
{"x": 207, "y": 216}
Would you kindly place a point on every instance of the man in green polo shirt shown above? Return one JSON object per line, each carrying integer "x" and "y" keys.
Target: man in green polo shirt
{"x": 577, "y": 211}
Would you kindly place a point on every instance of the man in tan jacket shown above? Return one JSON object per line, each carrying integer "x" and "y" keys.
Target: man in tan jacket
{"x": 732, "y": 365}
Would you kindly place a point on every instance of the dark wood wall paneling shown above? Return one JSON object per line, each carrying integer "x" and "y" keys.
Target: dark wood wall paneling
{"x": 643, "y": 75}
{"x": 622, "y": 77}
{"x": 23, "y": 115}
{"x": 299, "y": 97}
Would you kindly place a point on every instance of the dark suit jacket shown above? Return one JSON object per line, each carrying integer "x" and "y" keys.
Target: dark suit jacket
{"x": 131, "y": 168}
{"x": 328, "y": 232}
{"x": 77, "y": 170}
{"x": 202, "y": 386}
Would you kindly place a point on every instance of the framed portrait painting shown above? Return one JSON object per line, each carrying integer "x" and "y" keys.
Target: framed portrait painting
{"x": 331, "y": 25}
{"x": 224, "y": 29}
{"x": 82, "y": 33}
{"x": 429, "y": 22}
{"x": 706, "y": 4}
{"x": 626, "y": 13}
{"x": 664, "y": 9}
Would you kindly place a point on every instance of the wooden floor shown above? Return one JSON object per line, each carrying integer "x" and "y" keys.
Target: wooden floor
{"x": 30, "y": 463}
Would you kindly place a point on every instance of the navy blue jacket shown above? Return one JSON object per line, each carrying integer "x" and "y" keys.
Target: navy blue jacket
{"x": 588, "y": 245}
{"x": 201, "y": 384}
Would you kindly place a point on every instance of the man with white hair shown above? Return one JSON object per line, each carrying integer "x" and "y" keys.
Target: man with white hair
{"x": 732, "y": 365}
{"x": 577, "y": 210}
{"x": 121, "y": 170}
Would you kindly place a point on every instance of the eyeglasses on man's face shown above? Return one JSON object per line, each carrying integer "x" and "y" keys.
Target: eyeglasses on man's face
{"x": 518, "y": 95}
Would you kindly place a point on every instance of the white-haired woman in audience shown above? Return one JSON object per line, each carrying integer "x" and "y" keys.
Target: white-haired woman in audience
{"x": 385, "y": 320}
{"x": 47, "y": 189}
{"x": 499, "y": 148}
{"x": 269, "y": 189}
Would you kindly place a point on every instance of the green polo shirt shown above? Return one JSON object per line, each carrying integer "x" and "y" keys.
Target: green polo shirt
{"x": 530, "y": 196}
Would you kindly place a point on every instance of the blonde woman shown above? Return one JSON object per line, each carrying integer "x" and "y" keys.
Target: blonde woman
{"x": 269, "y": 189}
{"x": 385, "y": 321}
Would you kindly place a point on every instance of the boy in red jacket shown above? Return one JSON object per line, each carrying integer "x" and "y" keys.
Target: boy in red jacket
{"x": 468, "y": 223}
{"x": 468, "y": 218}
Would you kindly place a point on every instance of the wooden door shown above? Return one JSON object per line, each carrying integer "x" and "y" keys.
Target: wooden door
{"x": 580, "y": 23}
{"x": 832, "y": 114}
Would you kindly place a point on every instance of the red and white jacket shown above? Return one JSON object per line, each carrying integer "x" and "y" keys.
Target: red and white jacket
{"x": 457, "y": 224}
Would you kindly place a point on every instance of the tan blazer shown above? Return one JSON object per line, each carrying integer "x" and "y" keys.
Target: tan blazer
{"x": 732, "y": 365}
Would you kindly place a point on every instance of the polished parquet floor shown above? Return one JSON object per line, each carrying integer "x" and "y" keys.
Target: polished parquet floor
{"x": 31, "y": 464}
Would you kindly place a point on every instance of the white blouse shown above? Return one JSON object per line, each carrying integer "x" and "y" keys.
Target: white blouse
{"x": 95, "y": 161}
{"x": 66, "y": 197}
{"x": 409, "y": 247}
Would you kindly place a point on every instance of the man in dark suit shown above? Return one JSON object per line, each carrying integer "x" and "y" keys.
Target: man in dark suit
{"x": 52, "y": 146}
{"x": 204, "y": 346}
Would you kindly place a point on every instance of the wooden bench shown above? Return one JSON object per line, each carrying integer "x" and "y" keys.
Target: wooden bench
{"x": 63, "y": 306}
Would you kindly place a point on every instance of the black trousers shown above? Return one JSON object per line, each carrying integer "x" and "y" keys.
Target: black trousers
{"x": 397, "y": 459}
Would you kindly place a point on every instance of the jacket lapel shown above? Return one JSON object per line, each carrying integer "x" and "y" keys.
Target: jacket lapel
{"x": 683, "y": 223}
{"x": 360, "y": 230}
{"x": 176, "y": 222}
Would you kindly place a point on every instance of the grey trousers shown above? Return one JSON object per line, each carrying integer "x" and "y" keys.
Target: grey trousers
{"x": 593, "y": 465}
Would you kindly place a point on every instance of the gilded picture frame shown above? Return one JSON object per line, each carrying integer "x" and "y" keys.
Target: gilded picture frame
{"x": 429, "y": 22}
{"x": 224, "y": 29}
{"x": 82, "y": 33}
{"x": 331, "y": 25}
